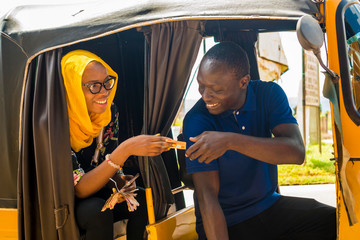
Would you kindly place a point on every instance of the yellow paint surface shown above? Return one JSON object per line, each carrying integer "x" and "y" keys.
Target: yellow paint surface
{"x": 8, "y": 224}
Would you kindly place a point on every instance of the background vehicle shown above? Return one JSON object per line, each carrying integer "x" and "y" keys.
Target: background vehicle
{"x": 153, "y": 45}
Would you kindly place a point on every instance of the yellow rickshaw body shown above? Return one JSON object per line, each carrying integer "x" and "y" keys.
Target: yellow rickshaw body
{"x": 350, "y": 134}
{"x": 181, "y": 224}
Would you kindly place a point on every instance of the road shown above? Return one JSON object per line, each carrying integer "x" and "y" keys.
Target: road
{"x": 325, "y": 193}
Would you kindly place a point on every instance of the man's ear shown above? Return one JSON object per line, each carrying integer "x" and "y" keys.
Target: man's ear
{"x": 244, "y": 81}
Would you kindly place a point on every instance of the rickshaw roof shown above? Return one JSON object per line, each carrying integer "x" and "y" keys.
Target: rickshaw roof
{"x": 35, "y": 28}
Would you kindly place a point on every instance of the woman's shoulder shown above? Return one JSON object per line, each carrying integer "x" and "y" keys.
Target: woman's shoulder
{"x": 113, "y": 108}
{"x": 114, "y": 113}
{"x": 111, "y": 130}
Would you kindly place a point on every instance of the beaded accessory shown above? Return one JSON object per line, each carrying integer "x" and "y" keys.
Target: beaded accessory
{"x": 99, "y": 145}
{"x": 111, "y": 163}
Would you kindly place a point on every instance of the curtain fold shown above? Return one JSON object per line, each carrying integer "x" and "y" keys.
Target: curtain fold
{"x": 45, "y": 181}
{"x": 173, "y": 50}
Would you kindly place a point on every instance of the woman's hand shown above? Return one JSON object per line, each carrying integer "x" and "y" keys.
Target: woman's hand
{"x": 142, "y": 145}
{"x": 125, "y": 179}
{"x": 121, "y": 180}
{"x": 119, "y": 198}
{"x": 148, "y": 145}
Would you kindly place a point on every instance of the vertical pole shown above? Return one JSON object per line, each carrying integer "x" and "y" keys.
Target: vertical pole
{"x": 304, "y": 96}
{"x": 148, "y": 191}
{"x": 204, "y": 46}
{"x": 319, "y": 111}
{"x": 319, "y": 125}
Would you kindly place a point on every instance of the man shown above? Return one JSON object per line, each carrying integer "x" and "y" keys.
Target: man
{"x": 236, "y": 135}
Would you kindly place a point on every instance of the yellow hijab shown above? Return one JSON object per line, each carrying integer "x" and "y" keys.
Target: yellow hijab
{"x": 83, "y": 127}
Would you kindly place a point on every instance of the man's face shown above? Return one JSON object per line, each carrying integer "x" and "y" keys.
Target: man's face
{"x": 219, "y": 87}
{"x": 95, "y": 72}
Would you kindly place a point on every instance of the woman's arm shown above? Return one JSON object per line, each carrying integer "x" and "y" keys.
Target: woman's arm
{"x": 142, "y": 145}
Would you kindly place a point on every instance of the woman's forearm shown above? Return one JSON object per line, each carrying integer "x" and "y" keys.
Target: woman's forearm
{"x": 94, "y": 180}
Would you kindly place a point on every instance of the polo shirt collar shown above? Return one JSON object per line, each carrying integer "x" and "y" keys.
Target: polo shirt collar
{"x": 250, "y": 102}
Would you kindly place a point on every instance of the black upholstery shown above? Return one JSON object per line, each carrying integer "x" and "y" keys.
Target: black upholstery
{"x": 184, "y": 177}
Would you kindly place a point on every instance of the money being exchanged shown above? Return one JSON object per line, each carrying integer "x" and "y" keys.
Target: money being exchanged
{"x": 117, "y": 194}
{"x": 177, "y": 144}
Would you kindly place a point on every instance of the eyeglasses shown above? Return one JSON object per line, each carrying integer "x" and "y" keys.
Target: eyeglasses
{"x": 96, "y": 86}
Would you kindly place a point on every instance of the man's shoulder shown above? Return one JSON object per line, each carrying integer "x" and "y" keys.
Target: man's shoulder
{"x": 259, "y": 85}
{"x": 198, "y": 110}
{"x": 264, "y": 90}
{"x": 198, "y": 119}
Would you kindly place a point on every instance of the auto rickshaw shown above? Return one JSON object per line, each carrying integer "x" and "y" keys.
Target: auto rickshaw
{"x": 152, "y": 45}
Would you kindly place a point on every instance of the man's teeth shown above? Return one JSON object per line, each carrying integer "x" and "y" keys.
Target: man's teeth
{"x": 101, "y": 102}
{"x": 212, "y": 105}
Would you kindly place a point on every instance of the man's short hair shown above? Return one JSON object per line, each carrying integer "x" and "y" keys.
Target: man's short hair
{"x": 232, "y": 55}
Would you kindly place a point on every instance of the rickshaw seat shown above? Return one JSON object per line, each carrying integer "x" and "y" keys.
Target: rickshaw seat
{"x": 119, "y": 230}
{"x": 184, "y": 177}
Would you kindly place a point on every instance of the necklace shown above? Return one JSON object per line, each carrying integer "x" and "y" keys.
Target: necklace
{"x": 99, "y": 145}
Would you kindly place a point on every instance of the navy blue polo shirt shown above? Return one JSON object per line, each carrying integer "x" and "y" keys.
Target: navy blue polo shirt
{"x": 247, "y": 186}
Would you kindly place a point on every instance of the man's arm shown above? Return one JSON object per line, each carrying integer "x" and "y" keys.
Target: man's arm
{"x": 207, "y": 189}
{"x": 286, "y": 147}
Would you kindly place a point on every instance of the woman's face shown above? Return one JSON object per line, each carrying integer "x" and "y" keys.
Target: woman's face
{"x": 95, "y": 72}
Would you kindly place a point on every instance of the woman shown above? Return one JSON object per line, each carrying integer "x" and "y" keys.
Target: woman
{"x": 90, "y": 89}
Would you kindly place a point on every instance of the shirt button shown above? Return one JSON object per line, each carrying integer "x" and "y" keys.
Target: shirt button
{"x": 243, "y": 127}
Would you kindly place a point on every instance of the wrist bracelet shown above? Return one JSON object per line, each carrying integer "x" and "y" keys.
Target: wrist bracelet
{"x": 111, "y": 163}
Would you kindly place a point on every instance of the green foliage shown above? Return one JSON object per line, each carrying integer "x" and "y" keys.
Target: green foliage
{"x": 317, "y": 169}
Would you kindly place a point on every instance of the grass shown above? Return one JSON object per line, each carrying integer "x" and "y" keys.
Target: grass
{"x": 317, "y": 169}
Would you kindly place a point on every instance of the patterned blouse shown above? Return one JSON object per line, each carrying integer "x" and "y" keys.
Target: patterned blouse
{"x": 82, "y": 160}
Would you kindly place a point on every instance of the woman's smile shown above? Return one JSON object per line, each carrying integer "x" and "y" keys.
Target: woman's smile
{"x": 102, "y": 102}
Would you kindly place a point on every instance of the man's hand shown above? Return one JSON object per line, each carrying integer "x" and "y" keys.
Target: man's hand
{"x": 208, "y": 146}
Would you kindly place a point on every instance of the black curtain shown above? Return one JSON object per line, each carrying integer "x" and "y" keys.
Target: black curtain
{"x": 173, "y": 50}
{"x": 124, "y": 52}
{"x": 45, "y": 181}
{"x": 247, "y": 41}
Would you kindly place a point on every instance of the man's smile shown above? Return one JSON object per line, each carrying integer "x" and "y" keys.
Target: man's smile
{"x": 213, "y": 105}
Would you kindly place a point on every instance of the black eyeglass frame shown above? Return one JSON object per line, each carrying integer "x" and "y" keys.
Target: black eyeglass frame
{"x": 109, "y": 78}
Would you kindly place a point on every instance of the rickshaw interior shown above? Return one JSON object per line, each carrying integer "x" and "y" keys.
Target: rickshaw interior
{"x": 125, "y": 52}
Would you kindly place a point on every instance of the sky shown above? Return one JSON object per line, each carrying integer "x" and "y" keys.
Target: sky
{"x": 290, "y": 80}
{"x": 292, "y": 49}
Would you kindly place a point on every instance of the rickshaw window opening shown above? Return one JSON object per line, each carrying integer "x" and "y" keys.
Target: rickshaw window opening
{"x": 347, "y": 17}
{"x": 190, "y": 83}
